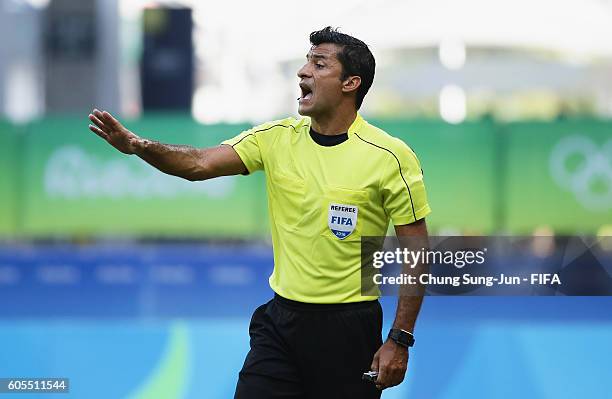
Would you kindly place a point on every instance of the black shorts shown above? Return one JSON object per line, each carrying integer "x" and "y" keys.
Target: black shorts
{"x": 311, "y": 351}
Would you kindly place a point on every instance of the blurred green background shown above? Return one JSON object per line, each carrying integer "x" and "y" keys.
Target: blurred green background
{"x": 482, "y": 177}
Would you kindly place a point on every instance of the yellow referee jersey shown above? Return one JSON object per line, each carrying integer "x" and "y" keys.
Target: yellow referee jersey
{"x": 323, "y": 199}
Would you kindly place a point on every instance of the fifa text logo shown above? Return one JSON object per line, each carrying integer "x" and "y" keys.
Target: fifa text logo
{"x": 342, "y": 220}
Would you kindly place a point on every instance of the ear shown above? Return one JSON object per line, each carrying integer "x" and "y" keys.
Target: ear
{"x": 351, "y": 83}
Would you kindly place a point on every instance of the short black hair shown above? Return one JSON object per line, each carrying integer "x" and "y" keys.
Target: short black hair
{"x": 355, "y": 57}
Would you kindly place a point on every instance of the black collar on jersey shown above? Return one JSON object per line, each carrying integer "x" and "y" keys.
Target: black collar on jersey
{"x": 326, "y": 140}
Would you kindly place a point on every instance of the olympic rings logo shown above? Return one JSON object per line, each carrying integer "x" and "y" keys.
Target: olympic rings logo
{"x": 577, "y": 164}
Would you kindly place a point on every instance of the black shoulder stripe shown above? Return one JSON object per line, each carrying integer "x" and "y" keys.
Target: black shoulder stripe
{"x": 399, "y": 166}
{"x": 263, "y": 130}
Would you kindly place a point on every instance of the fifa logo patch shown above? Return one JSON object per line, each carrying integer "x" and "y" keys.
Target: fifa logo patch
{"x": 342, "y": 219}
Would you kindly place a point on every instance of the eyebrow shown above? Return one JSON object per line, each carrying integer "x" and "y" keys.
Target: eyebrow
{"x": 317, "y": 56}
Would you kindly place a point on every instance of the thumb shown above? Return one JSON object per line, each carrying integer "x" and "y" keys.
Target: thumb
{"x": 374, "y": 365}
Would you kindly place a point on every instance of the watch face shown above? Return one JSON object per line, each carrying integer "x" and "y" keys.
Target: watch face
{"x": 401, "y": 337}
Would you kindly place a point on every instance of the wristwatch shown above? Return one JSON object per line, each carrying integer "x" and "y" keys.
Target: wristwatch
{"x": 401, "y": 337}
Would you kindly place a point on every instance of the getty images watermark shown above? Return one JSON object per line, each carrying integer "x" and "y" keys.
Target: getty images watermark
{"x": 486, "y": 266}
{"x": 458, "y": 259}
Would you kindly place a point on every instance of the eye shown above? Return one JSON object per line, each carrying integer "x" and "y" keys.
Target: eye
{"x": 319, "y": 66}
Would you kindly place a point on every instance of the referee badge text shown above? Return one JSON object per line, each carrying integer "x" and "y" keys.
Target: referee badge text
{"x": 342, "y": 219}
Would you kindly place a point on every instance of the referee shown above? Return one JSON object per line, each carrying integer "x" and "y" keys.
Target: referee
{"x": 331, "y": 177}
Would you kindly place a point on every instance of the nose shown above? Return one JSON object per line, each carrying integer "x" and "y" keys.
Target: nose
{"x": 304, "y": 71}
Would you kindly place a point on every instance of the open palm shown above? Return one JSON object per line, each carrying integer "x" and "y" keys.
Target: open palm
{"x": 109, "y": 128}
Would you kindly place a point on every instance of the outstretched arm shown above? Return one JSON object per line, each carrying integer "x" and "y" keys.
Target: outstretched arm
{"x": 179, "y": 160}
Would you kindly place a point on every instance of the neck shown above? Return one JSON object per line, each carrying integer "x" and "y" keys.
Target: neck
{"x": 336, "y": 123}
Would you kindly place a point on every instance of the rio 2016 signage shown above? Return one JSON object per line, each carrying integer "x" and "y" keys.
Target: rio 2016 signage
{"x": 579, "y": 165}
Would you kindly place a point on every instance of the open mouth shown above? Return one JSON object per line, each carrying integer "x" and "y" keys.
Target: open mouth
{"x": 306, "y": 92}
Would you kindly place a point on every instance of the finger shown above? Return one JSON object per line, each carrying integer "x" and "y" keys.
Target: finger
{"x": 97, "y": 113}
{"x": 400, "y": 375}
{"x": 395, "y": 378}
{"x": 110, "y": 120}
{"x": 98, "y": 123}
{"x": 383, "y": 376}
{"x": 374, "y": 365}
{"x": 98, "y": 132}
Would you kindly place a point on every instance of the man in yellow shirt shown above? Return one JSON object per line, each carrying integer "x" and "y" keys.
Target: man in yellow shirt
{"x": 331, "y": 178}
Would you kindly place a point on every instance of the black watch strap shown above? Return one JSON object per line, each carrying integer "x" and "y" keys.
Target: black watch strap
{"x": 401, "y": 337}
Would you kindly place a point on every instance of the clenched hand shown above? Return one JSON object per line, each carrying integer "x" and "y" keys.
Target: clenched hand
{"x": 391, "y": 361}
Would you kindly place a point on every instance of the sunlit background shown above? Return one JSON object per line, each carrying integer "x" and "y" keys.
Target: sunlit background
{"x": 134, "y": 284}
